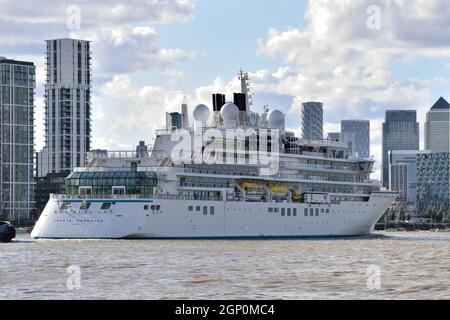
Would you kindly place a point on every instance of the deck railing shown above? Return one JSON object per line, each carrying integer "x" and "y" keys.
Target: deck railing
{"x": 99, "y": 196}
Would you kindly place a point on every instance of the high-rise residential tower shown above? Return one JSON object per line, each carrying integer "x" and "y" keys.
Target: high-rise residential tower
{"x": 400, "y": 132}
{"x": 312, "y": 120}
{"x": 437, "y": 127}
{"x": 17, "y": 85}
{"x": 67, "y": 106}
{"x": 356, "y": 134}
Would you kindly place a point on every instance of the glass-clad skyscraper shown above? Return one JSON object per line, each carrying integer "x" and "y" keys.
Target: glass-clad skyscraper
{"x": 437, "y": 127}
{"x": 356, "y": 134}
{"x": 400, "y": 132}
{"x": 17, "y": 85}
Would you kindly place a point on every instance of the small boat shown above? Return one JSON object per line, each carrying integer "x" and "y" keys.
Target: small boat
{"x": 7, "y": 231}
{"x": 253, "y": 191}
{"x": 279, "y": 192}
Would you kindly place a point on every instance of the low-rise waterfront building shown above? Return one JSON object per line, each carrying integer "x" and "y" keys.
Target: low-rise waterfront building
{"x": 403, "y": 175}
{"x": 433, "y": 182}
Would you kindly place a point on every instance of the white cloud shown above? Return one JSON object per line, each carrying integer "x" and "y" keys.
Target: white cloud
{"x": 336, "y": 57}
{"x": 128, "y": 49}
{"x": 126, "y": 113}
{"x": 203, "y": 94}
{"x": 338, "y": 60}
{"x": 107, "y": 12}
{"x": 124, "y": 40}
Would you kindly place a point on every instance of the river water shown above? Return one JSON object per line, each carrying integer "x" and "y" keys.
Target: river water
{"x": 397, "y": 265}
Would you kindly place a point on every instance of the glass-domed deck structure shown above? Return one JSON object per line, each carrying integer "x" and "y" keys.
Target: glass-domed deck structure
{"x": 139, "y": 183}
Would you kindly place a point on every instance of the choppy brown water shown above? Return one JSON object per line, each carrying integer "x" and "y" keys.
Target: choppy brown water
{"x": 412, "y": 265}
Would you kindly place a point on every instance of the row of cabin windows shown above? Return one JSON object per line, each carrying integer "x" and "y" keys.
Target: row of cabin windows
{"x": 199, "y": 209}
{"x": 85, "y": 206}
{"x": 107, "y": 206}
{"x": 153, "y": 208}
{"x": 311, "y": 212}
{"x": 315, "y": 212}
{"x": 78, "y": 220}
{"x": 284, "y": 212}
{"x": 104, "y": 206}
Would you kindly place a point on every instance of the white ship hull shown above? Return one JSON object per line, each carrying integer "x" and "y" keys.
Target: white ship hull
{"x": 129, "y": 219}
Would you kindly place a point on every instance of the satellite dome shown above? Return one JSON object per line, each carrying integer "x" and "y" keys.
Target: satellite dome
{"x": 229, "y": 112}
{"x": 201, "y": 113}
{"x": 276, "y": 119}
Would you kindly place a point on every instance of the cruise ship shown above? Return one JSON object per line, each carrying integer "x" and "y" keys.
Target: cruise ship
{"x": 232, "y": 173}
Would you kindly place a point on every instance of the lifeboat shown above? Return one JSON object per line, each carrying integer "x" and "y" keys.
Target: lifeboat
{"x": 252, "y": 190}
{"x": 248, "y": 185}
{"x": 279, "y": 192}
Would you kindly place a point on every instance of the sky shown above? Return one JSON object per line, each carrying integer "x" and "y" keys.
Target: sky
{"x": 358, "y": 57}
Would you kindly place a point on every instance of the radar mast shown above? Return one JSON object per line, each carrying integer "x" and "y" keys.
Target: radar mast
{"x": 245, "y": 89}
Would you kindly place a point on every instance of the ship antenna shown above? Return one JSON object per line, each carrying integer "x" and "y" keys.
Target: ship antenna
{"x": 245, "y": 88}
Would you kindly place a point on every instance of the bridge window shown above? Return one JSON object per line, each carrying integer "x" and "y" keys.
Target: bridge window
{"x": 106, "y": 206}
{"x": 85, "y": 190}
{"x": 85, "y": 205}
{"x": 118, "y": 190}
